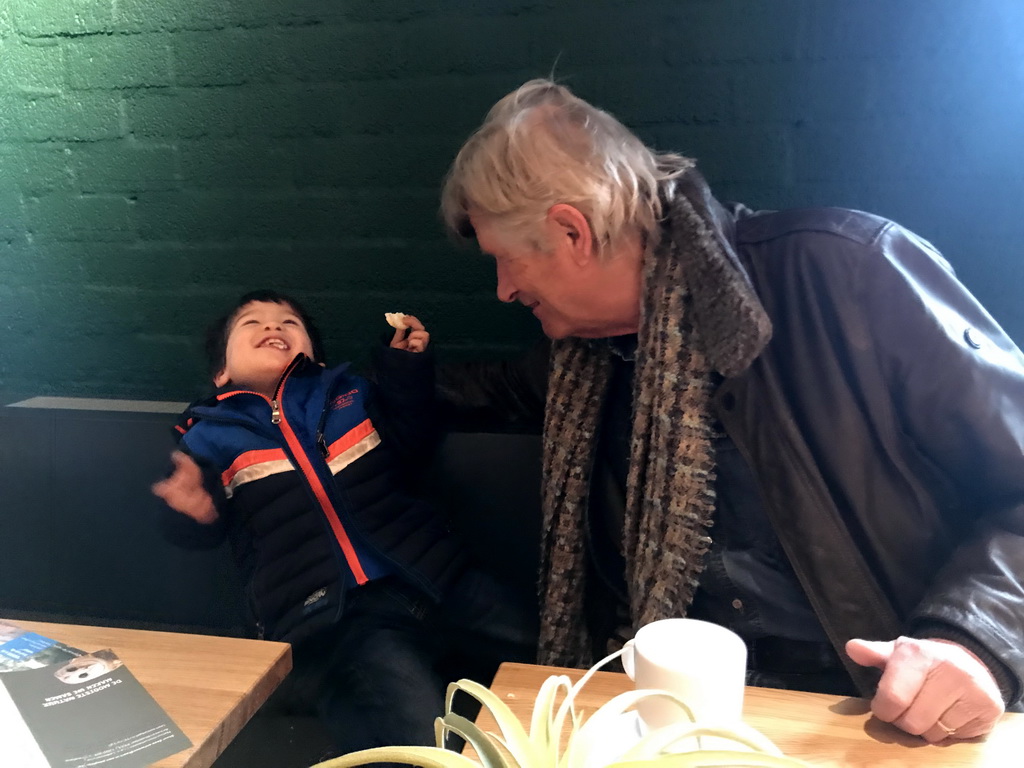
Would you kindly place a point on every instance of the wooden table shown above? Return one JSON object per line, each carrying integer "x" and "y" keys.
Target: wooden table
{"x": 210, "y": 686}
{"x": 821, "y": 730}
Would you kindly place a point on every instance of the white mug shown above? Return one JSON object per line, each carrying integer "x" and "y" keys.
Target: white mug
{"x": 704, "y": 664}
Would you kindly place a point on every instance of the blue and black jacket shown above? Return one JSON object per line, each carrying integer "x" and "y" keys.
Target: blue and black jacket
{"x": 311, "y": 487}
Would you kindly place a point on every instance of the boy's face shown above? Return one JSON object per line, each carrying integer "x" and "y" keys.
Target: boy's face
{"x": 263, "y": 337}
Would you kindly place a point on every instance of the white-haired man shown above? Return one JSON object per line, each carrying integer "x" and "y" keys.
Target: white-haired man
{"x": 797, "y": 424}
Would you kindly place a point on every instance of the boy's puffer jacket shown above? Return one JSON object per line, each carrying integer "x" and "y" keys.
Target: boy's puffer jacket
{"x": 311, "y": 488}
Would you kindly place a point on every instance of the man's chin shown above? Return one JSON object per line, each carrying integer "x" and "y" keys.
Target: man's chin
{"x": 561, "y": 330}
{"x": 554, "y": 333}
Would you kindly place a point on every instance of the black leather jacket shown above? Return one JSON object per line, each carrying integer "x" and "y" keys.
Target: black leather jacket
{"x": 884, "y": 423}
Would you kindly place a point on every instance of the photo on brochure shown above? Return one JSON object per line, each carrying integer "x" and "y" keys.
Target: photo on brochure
{"x": 23, "y": 649}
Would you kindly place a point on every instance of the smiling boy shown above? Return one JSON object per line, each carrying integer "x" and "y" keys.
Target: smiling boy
{"x": 304, "y": 468}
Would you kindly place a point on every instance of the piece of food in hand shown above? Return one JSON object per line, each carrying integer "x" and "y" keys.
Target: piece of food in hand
{"x": 396, "y": 320}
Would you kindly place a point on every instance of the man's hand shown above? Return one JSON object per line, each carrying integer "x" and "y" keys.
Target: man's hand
{"x": 935, "y": 689}
{"x": 412, "y": 338}
{"x": 184, "y": 492}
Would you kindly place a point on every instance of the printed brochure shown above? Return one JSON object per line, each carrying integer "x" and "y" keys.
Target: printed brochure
{"x": 63, "y": 708}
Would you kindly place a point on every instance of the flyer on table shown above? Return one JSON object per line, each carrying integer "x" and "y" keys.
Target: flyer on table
{"x": 83, "y": 711}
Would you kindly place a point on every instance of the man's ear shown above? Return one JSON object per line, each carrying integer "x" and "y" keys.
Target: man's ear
{"x": 571, "y": 230}
{"x": 221, "y": 378}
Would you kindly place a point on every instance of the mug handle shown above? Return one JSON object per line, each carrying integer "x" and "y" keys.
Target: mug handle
{"x": 627, "y": 660}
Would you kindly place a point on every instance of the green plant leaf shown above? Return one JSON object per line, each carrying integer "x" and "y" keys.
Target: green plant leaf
{"x": 515, "y": 748}
{"x": 593, "y": 732}
{"x": 487, "y": 747}
{"x": 662, "y": 740}
{"x": 542, "y": 731}
{"x": 425, "y": 757}
{"x": 514, "y": 736}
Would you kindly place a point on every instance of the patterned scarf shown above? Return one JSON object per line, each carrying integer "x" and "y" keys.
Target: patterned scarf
{"x": 699, "y": 315}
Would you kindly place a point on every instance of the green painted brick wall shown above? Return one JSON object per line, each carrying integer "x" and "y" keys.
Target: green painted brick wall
{"x": 158, "y": 157}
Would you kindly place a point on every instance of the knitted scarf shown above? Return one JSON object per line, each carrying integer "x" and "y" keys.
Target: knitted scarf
{"x": 699, "y": 315}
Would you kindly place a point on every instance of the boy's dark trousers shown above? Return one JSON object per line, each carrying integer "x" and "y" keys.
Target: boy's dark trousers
{"x": 376, "y": 679}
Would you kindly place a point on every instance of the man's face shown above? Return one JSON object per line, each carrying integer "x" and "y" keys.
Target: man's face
{"x": 263, "y": 337}
{"x": 550, "y": 284}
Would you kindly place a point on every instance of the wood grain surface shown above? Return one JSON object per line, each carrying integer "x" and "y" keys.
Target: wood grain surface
{"x": 210, "y": 686}
{"x": 825, "y": 731}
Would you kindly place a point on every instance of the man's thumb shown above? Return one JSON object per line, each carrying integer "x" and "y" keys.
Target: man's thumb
{"x": 870, "y": 653}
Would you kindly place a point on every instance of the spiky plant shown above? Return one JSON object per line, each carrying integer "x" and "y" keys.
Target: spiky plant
{"x": 674, "y": 746}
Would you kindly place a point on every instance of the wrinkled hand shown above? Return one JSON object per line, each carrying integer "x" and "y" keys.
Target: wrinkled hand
{"x": 183, "y": 490}
{"x": 935, "y": 689}
{"x": 414, "y": 338}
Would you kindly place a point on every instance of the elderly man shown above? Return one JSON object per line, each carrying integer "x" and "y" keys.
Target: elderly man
{"x": 799, "y": 425}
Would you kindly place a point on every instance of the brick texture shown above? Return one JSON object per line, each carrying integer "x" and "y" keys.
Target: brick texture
{"x": 157, "y": 158}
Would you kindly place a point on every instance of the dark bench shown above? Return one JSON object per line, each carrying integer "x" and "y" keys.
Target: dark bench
{"x": 80, "y": 540}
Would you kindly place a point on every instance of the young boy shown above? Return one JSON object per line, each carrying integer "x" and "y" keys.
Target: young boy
{"x": 304, "y": 469}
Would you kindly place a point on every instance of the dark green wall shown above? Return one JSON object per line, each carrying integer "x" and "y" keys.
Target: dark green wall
{"x": 158, "y": 157}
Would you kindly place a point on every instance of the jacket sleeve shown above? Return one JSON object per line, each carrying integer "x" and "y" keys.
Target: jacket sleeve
{"x": 958, "y": 386}
{"x": 501, "y": 395}
{"x": 181, "y": 529}
{"x": 403, "y": 403}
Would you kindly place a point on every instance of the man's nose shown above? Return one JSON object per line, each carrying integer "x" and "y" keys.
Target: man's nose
{"x": 507, "y": 290}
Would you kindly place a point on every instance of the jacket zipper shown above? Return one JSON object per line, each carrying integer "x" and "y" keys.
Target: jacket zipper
{"x": 315, "y": 484}
{"x": 275, "y": 402}
{"x": 254, "y": 606}
{"x": 278, "y": 417}
{"x": 321, "y": 444}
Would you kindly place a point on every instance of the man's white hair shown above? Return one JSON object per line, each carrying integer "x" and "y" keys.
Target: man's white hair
{"x": 541, "y": 145}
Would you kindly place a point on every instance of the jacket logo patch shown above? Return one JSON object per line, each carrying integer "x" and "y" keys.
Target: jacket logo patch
{"x": 343, "y": 401}
{"x": 316, "y": 597}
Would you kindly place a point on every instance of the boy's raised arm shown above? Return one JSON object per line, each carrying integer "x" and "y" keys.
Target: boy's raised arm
{"x": 404, "y": 390}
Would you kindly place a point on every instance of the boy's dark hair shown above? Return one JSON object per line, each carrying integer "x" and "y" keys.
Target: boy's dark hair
{"x": 217, "y": 334}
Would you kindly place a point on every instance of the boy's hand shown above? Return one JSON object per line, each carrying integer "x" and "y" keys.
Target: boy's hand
{"x": 413, "y": 338}
{"x": 183, "y": 490}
